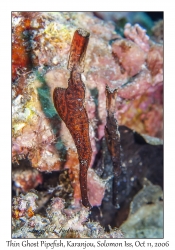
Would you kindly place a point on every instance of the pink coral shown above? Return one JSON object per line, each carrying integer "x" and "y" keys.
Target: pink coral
{"x": 38, "y": 141}
{"x": 137, "y": 86}
{"x": 138, "y": 113}
{"x": 155, "y": 62}
{"x": 137, "y": 34}
{"x": 130, "y": 56}
{"x": 96, "y": 188}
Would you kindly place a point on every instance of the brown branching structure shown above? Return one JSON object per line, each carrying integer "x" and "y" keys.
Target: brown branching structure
{"x": 69, "y": 104}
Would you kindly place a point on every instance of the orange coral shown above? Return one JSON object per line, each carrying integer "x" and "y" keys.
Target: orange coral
{"x": 30, "y": 212}
{"x": 21, "y": 47}
{"x": 20, "y": 56}
{"x": 16, "y": 214}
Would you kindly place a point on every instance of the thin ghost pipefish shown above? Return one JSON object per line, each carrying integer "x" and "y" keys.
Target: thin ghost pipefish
{"x": 112, "y": 137}
{"x": 69, "y": 104}
{"x": 112, "y": 134}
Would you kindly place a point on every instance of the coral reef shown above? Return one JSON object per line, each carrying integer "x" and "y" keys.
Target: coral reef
{"x": 141, "y": 62}
{"x": 59, "y": 222}
{"x": 130, "y": 62}
{"x": 138, "y": 35}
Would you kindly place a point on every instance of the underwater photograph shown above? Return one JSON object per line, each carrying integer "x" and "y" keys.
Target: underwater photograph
{"x": 87, "y": 125}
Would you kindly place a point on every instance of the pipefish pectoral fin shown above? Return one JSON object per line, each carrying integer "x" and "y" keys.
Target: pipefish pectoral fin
{"x": 60, "y": 102}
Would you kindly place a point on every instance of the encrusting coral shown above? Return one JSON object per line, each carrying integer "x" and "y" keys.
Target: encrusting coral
{"x": 131, "y": 64}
